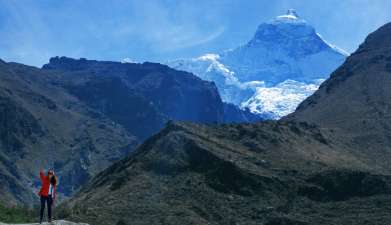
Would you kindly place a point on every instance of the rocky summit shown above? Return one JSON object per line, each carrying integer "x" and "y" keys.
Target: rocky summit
{"x": 326, "y": 163}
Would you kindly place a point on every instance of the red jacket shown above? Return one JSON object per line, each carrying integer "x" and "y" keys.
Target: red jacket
{"x": 45, "y": 186}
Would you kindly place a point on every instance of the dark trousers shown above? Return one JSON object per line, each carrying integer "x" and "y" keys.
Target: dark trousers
{"x": 46, "y": 200}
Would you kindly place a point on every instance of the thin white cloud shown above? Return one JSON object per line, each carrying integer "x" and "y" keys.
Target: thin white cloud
{"x": 180, "y": 41}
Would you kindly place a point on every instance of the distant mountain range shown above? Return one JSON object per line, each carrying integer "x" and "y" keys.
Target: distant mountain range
{"x": 79, "y": 116}
{"x": 327, "y": 163}
{"x": 280, "y": 66}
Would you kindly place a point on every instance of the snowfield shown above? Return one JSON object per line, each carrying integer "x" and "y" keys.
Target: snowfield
{"x": 280, "y": 100}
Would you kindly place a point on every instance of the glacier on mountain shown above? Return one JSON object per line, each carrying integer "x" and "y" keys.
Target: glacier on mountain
{"x": 281, "y": 99}
{"x": 271, "y": 74}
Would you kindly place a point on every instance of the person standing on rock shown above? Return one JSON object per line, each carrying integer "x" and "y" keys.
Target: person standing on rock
{"x": 47, "y": 192}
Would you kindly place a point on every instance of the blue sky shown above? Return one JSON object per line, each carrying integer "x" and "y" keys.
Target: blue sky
{"x": 31, "y": 31}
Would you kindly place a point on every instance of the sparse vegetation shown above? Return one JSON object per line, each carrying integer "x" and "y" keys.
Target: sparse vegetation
{"x": 17, "y": 214}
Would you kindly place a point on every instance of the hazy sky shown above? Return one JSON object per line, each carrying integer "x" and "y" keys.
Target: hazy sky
{"x": 31, "y": 31}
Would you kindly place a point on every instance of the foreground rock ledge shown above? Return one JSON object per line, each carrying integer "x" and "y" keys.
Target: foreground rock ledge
{"x": 56, "y": 222}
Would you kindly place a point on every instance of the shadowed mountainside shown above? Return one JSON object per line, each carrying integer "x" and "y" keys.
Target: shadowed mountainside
{"x": 141, "y": 97}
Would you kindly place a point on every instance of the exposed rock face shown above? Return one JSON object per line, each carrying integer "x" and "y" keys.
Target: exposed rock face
{"x": 306, "y": 169}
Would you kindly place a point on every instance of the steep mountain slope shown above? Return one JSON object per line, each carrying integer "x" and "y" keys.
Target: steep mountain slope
{"x": 355, "y": 101}
{"x": 356, "y": 91}
{"x": 283, "y": 50}
{"x": 305, "y": 169}
{"x": 79, "y": 116}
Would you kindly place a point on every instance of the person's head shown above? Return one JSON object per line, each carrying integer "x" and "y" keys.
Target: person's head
{"x": 50, "y": 174}
{"x": 52, "y": 177}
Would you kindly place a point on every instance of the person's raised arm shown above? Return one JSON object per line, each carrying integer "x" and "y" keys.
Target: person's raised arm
{"x": 42, "y": 174}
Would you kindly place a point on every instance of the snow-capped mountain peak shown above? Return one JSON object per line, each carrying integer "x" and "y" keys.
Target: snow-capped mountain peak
{"x": 279, "y": 67}
{"x": 209, "y": 56}
{"x": 292, "y": 12}
{"x": 290, "y": 17}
